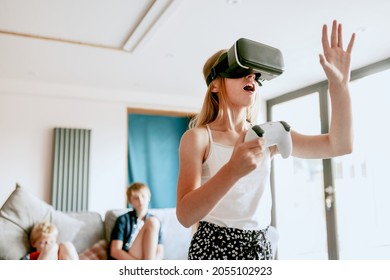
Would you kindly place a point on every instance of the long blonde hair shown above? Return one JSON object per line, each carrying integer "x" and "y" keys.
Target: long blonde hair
{"x": 214, "y": 102}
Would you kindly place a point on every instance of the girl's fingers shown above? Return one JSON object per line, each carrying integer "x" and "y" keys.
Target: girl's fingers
{"x": 351, "y": 42}
{"x": 333, "y": 36}
{"x": 336, "y": 38}
{"x": 325, "y": 40}
{"x": 340, "y": 36}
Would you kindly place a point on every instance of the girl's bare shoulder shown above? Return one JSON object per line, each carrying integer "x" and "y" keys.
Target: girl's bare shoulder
{"x": 195, "y": 141}
{"x": 198, "y": 134}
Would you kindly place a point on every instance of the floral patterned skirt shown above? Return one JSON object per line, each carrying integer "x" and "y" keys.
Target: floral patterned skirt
{"x": 212, "y": 242}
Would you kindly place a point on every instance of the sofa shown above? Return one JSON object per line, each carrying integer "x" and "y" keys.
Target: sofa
{"x": 89, "y": 231}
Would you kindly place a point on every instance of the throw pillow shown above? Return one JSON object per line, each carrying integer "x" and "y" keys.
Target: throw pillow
{"x": 14, "y": 243}
{"x": 97, "y": 252}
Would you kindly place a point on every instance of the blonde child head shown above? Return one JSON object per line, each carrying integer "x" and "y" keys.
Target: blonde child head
{"x": 44, "y": 230}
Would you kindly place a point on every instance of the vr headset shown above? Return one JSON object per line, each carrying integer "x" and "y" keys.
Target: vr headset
{"x": 248, "y": 57}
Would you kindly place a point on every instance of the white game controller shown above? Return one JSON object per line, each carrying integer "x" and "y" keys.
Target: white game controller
{"x": 274, "y": 133}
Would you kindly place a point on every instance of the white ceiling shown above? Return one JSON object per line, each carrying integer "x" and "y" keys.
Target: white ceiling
{"x": 160, "y": 46}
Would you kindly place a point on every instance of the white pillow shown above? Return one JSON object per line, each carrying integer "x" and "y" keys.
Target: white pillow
{"x": 14, "y": 242}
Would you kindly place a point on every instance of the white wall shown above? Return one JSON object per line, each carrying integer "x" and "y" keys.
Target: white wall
{"x": 26, "y": 144}
{"x": 28, "y": 113}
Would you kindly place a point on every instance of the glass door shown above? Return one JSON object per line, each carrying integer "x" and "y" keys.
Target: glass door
{"x": 362, "y": 178}
{"x": 338, "y": 208}
{"x": 299, "y": 210}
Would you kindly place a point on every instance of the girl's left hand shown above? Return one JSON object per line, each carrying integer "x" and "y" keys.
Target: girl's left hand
{"x": 335, "y": 61}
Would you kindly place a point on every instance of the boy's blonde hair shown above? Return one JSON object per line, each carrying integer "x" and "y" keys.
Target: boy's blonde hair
{"x": 43, "y": 229}
{"x": 214, "y": 102}
{"x": 137, "y": 187}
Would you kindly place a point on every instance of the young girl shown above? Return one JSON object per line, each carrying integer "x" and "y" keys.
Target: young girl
{"x": 224, "y": 182}
{"x": 43, "y": 239}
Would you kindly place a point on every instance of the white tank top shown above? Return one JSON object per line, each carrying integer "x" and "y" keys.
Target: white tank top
{"x": 248, "y": 203}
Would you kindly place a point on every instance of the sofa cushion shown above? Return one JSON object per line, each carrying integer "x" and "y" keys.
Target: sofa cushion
{"x": 109, "y": 221}
{"x": 176, "y": 237}
{"x": 92, "y": 231}
{"x": 22, "y": 210}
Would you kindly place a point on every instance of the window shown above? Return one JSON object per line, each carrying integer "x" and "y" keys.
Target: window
{"x": 298, "y": 193}
{"x": 338, "y": 208}
{"x": 362, "y": 179}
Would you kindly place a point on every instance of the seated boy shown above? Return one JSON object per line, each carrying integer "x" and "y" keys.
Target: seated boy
{"x": 43, "y": 239}
{"x": 137, "y": 234}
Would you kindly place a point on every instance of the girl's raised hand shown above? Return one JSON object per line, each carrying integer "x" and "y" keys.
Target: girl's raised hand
{"x": 335, "y": 61}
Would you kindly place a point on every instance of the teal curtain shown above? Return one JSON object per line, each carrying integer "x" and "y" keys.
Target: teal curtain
{"x": 153, "y": 155}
